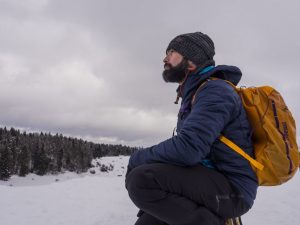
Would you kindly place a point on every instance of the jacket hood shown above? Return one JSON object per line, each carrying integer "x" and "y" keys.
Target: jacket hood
{"x": 230, "y": 73}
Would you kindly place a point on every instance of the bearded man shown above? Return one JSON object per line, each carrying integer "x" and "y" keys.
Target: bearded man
{"x": 193, "y": 178}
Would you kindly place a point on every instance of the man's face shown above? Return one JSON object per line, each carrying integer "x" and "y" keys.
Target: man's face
{"x": 175, "y": 67}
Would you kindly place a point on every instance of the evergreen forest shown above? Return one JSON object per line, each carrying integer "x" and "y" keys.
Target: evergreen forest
{"x": 43, "y": 153}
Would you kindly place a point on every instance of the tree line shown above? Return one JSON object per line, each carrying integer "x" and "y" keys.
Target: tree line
{"x": 41, "y": 153}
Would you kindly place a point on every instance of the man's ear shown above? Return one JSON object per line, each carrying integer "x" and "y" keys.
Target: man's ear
{"x": 191, "y": 66}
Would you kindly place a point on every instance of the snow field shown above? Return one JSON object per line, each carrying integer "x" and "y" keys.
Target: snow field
{"x": 101, "y": 199}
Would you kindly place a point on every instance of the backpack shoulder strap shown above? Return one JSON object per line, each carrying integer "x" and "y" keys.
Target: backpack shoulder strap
{"x": 240, "y": 151}
{"x": 200, "y": 87}
{"x": 197, "y": 91}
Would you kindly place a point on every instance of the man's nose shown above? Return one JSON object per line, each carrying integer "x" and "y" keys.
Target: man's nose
{"x": 165, "y": 60}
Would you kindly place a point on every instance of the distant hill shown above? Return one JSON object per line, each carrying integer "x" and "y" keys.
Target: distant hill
{"x": 41, "y": 153}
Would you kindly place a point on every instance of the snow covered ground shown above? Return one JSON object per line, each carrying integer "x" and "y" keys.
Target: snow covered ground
{"x": 101, "y": 199}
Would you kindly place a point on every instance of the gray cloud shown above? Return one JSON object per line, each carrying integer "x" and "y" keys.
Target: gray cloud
{"x": 92, "y": 69}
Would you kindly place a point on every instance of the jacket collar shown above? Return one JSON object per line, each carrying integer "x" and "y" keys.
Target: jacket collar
{"x": 193, "y": 81}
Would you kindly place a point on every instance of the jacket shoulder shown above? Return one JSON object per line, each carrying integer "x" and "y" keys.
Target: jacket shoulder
{"x": 216, "y": 87}
{"x": 219, "y": 92}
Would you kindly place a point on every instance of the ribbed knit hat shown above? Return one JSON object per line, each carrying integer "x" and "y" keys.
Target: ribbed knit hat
{"x": 197, "y": 47}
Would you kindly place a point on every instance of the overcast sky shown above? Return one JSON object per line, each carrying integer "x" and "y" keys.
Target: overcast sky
{"x": 92, "y": 68}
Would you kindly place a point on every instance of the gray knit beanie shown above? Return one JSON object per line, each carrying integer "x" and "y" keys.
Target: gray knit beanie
{"x": 197, "y": 47}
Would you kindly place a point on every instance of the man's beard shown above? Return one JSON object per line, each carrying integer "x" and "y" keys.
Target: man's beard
{"x": 175, "y": 74}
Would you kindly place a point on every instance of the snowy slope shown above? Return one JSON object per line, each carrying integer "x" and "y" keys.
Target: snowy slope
{"x": 101, "y": 199}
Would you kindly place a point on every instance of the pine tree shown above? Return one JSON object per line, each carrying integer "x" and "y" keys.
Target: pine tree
{"x": 4, "y": 163}
{"x": 24, "y": 161}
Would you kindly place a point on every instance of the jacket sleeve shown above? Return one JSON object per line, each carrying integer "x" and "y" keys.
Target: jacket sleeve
{"x": 213, "y": 108}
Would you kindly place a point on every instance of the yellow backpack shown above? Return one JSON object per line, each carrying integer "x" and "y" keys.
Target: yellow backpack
{"x": 274, "y": 135}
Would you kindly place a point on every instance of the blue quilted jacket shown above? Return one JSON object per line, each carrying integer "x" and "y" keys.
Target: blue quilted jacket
{"x": 217, "y": 109}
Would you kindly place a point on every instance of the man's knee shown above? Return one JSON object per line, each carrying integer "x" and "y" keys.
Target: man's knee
{"x": 141, "y": 184}
{"x": 141, "y": 176}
